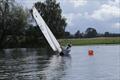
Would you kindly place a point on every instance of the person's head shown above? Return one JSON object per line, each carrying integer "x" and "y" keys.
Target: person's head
{"x": 69, "y": 45}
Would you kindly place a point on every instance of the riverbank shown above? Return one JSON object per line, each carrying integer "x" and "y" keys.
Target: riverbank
{"x": 64, "y": 42}
{"x": 91, "y": 41}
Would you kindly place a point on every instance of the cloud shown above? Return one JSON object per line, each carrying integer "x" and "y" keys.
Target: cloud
{"x": 115, "y": 3}
{"x": 116, "y": 26}
{"x": 107, "y": 11}
{"x": 71, "y": 17}
{"x": 28, "y": 3}
{"x": 78, "y": 3}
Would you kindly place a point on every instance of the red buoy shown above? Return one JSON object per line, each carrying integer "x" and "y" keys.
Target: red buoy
{"x": 90, "y": 52}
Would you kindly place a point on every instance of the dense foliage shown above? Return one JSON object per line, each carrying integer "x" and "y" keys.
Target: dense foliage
{"x": 52, "y": 14}
{"x": 13, "y": 21}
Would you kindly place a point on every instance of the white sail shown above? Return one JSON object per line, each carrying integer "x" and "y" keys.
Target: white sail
{"x": 57, "y": 45}
{"x": 46, "y": 31}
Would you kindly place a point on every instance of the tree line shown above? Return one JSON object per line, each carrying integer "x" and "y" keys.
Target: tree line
{"x": 90, "y": 33}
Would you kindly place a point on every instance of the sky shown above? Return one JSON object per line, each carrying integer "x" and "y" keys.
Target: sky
{"x": 103, "y": 15}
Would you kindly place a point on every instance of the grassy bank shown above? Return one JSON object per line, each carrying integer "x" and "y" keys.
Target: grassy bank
{"x": 91, "y": 41}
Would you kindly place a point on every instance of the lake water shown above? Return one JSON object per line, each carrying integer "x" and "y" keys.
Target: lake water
{"x": 40, "y": 64}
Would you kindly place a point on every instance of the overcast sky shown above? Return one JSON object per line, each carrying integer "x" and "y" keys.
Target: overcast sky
{"x": 103, "y": 15}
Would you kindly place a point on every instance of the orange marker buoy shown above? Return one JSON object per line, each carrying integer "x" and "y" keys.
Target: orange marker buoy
{"x": 90, "y": 52}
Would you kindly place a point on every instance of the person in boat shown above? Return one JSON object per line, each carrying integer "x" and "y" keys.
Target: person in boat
{"x": 66, "y": 50}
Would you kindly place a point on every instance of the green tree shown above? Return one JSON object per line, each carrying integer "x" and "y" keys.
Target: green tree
{"x": 67, "y": 34}
{"x": 77, "y": 34}
{"x": 13, "y": 21}
{"x": 51, "y": 12}
{"x": 90, "y": 33}
{"x": 106, "y": 34}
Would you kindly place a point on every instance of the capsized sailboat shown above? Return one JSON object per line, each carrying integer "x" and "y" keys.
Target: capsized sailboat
{"x": 48, "y": 34}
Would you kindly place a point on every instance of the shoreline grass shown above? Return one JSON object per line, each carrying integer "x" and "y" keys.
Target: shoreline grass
{"x": 91, "y": 41}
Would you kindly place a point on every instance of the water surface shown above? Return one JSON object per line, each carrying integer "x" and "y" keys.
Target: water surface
{"x": 41, "y": 64}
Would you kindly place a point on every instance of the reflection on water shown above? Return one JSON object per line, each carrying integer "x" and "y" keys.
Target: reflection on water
{"x": 32, "y": 64}
{"x": 58, "y": 67}
{"x": 41, "y": 64}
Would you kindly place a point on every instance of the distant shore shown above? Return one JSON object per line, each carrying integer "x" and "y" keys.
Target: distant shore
{"x": 73, "y": 41}
{"x": 90, "y": 41}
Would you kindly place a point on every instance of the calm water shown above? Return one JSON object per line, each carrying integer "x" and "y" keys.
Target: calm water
{"x": 36, "y": 64}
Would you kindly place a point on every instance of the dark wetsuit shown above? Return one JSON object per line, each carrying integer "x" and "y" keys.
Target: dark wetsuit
{"x": 62, "y": 53}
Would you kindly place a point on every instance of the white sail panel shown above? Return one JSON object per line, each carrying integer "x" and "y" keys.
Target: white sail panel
{"x": 43, "y": 29}
{"x": 57, "y": 45}
{"x": 46, "y": 31}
